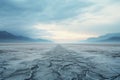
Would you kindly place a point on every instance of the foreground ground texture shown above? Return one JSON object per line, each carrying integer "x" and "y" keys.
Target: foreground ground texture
{"x": 59, "y": 62}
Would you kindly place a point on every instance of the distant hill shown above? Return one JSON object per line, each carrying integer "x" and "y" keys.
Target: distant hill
{"x": 113, "y": 37}
{"x": 9, "y": 37}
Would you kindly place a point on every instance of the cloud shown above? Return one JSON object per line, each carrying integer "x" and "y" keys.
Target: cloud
{"x": 47, "y": 10}
{"x": 59, "y": 34}
{"x": 97, "y": 20}
{"x": 60, "y": 20}
{"x": 19, "y": 16}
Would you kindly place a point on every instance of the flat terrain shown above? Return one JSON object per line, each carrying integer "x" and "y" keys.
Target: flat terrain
{"x": 59, "y": 62}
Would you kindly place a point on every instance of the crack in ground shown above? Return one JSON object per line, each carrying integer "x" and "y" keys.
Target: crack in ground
{"x": 62, "y": 64}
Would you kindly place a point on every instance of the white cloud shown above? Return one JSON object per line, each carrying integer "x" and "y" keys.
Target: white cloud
{"x": 96, "y": 21}
{"x": 59, "y": 34}
{"x": 60, "y": 20}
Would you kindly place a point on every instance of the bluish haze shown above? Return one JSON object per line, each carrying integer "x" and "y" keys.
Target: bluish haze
{"x": 60, "y": 20}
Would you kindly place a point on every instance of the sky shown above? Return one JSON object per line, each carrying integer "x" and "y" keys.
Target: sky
{"x": 60, "y": 20}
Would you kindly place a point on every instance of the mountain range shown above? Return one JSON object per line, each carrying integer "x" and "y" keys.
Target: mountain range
{"x": 9, "y": 37}
{"x": 112, "y": 37}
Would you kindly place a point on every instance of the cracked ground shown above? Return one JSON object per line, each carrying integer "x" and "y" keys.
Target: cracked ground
{"x": 59, "y": 62}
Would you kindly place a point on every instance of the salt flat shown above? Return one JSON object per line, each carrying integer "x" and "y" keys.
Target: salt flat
{"x": 59, "y": 62}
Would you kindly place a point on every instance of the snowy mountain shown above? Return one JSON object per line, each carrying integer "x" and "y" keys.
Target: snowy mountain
{"x": 113, "y": 37}
{"x": 9, "y": 37}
